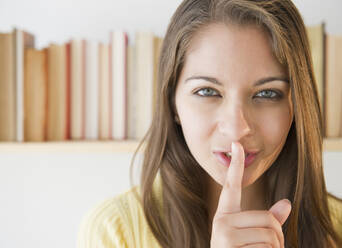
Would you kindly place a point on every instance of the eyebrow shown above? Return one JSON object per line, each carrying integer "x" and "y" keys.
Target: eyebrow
{"x": 257, "y": 83}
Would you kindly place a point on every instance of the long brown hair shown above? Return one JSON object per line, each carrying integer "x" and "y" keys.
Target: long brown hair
{"x": 297, "y": 174}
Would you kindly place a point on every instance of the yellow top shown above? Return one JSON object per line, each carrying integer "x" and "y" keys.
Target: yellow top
{"x": 120, "y": 222}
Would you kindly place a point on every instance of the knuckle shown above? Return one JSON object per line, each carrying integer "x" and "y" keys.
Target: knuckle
{"x": 270, "y": 216}
{"x": 221, "y": 225}
{"x": 272, "y": 237}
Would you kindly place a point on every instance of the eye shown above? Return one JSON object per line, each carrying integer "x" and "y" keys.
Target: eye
{"x": 269, "y": 94}
{"x": 206, "y": 92}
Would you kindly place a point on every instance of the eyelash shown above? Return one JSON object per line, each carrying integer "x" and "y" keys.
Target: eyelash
{"x": 278, "y": 95}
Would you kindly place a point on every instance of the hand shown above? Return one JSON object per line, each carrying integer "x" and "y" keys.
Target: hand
{"x": 232, "y": 227}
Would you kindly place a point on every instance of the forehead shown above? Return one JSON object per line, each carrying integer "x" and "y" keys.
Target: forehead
{"x": 230, "y": 50}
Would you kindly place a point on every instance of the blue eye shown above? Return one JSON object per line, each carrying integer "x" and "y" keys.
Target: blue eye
{"x": 267, "y": 94}
{"x": 270, "y": 94}
{"x": 206, "y": 92}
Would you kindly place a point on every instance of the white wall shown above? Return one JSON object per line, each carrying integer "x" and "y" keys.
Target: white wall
{"x": 44, "y": 196}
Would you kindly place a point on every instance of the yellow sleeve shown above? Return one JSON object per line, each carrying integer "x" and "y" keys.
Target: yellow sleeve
{"x": 118, "y": 222}
{"x": 335, "y": 207}
{"x": 103, "y": 227}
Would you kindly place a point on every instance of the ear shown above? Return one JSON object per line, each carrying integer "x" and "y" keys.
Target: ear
{"x": 173, "y": 105}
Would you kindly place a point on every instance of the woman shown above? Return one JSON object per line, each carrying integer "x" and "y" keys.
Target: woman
{"x": 233, "y": 157}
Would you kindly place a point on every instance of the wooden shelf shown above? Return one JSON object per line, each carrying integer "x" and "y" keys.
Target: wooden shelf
{"x": 332, "y": 144}
{"x": 105, "y": 146}
{"x": 70, "y": 147}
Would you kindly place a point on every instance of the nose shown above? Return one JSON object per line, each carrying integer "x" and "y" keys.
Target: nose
{"x": 234, "y": 122}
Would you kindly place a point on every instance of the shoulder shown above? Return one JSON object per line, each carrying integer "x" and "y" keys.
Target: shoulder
{"x": 335, "y": 207}
{"x": 116, "y": 222}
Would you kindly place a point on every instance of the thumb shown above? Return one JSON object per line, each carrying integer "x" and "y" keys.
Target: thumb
{"x": 281, "y": 210}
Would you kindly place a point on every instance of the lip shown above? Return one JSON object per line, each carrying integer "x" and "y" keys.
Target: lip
{"x": 245, "y": 150}
{"x": 224, "y": 160}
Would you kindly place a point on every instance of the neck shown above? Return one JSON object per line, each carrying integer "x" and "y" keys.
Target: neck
{"x": 252, "y": 196}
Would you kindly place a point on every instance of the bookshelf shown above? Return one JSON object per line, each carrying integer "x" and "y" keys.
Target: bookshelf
{"x": 127, "y": 146}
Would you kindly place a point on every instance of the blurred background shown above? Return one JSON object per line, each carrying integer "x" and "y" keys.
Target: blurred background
{"x": 44, "y": 192}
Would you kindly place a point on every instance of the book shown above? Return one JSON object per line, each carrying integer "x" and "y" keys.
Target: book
{"x": 144, "y": 82}
{"x": 8, "y": 131}
{"x": 68, "y": 89}
{"x": 104, "y": 93}
{"x": 316, "y": 34}
{"x": 77, "y": 115}
{"x": 118, "y": 70}
{"x": 333, "y": 86}
{"x": 92, "y": 91}
{"x": 22, "y": 41}
{"x": 132, "y": 92}
{"x": 35, "y": 94}
{"x": 158, "y": 41}
{"x": 57, "y": 93}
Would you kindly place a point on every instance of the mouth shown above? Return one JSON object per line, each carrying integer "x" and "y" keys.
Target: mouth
{"x": 225, "y": 158}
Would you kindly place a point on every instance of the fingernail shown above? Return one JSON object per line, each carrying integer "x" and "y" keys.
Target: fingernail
{"x": 288, "y": 201}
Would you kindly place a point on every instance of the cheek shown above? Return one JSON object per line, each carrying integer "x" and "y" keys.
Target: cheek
{"x": 275, "y": 126}
{"x": 195, "y": 121}
{"x": 195, "y": 124}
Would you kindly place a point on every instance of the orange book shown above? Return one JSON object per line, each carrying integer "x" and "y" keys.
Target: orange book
{"x": 35, "y": 94}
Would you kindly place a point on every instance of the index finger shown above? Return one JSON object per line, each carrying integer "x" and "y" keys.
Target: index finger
{"x": 230, "y": 197}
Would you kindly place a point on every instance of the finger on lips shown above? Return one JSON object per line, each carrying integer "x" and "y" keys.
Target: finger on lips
{"x": 230, "y": 197}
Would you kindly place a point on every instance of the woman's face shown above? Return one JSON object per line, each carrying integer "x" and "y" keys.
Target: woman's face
{"x": 219, "y": 100}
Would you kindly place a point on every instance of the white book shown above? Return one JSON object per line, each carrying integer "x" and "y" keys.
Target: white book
{"x": 22, "y": 40}
{"x": 132, "y": 95}
{"x": 92, "y": 91}
{"x": 119, "y": 42}
{"x": 77, "y": 90}
{"x": 144, "y": 80}
{"x": 104, "y": 93}
{"x": 333, "y": 89}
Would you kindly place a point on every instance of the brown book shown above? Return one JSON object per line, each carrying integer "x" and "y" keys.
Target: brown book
{"x": 7, "y": 88}
{"x": 57, "y": 93}
{"x": 35, "y": 94}
{"x": 68, "y": 89}
{"x": 333, "y": 89}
